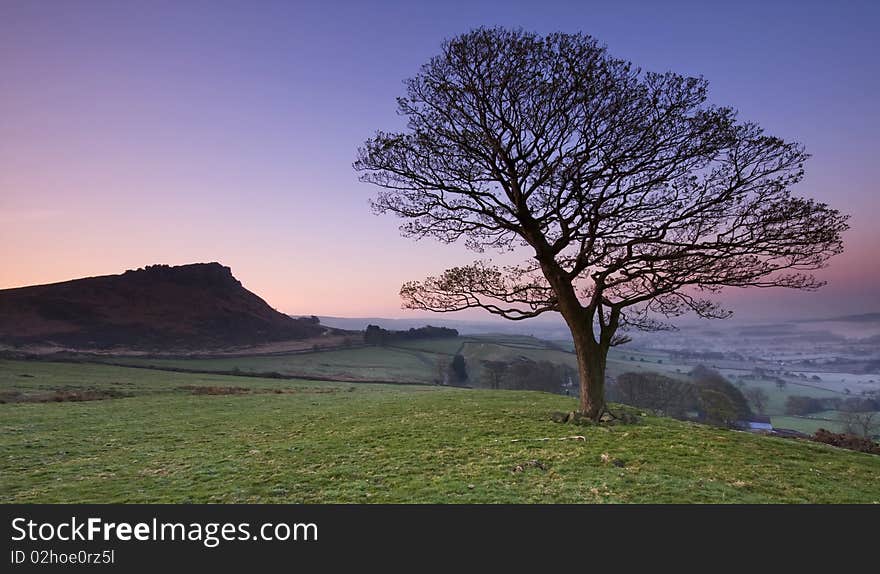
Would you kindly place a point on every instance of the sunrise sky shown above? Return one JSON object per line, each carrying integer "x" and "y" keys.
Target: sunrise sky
{"x": 134, "y": 133}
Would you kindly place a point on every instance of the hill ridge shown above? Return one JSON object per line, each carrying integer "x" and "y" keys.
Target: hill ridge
{"x": 198, "y": 305}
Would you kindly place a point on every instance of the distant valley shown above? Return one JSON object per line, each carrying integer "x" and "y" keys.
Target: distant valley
{"x": 188, "y": 353}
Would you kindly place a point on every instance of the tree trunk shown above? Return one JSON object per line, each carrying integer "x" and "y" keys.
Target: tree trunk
{"x": 591, "y": 353}
{"x": 591, "y": 357}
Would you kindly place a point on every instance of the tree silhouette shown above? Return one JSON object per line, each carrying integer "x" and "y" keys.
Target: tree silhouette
{"x": 861, "y": 423}
{"x": 758, "y": 397}
{"x": 636, "y": 199}
{"x": 459, "y": 367}
{"x": 493, "y": 373}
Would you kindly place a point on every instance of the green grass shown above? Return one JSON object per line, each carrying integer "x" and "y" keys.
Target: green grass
{"x": 404, "y": 361}
{"x": 828, "y": 420}
{"x": 511, "y": 340}
{"x": 807, "y": 425}
{"x": 341, "y": 442}
{"x": 365, "y": 364}
{"x": 34, "y": 377}
{"x": 486, "y": 349}
{"x": 442, "y": 346}
{"x": 777, "y": 397}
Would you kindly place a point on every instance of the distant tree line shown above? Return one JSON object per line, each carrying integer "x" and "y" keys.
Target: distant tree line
{"x": 758, "y": 397}
{"x": 704, "y": 355}
{"x": 375, "y": 335}
{"x": 524, "y": 374}
{"x": 800, "y": 405}
{"x": 659, "y": 393}
{"x": 454, "y": 372}
{"x": 864, "y": 424}
{"x": 872, "y": 366}
{"x": 707, "y": 396}
{"x": 458, "y": 368}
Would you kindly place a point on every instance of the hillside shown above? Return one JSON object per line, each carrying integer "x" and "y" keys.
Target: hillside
{"x": 206, "y": 438}
{"x": 158, "y": 307}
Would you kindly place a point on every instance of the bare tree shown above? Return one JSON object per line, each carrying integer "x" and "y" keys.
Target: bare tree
{"x": 758, "y": 397}
{"x": 861, "y": 423}
{"x": 493, "y": 373}
{"x": 716, "y": 408}
{"x": 668, "y": 396}
{"x": 441, "y": 370}
{"x": 635, "y": 198}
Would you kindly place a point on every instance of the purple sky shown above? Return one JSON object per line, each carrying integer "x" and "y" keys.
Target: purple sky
{"x": 134, "y": 133}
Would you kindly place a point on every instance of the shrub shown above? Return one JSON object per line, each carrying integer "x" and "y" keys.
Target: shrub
{"x": 654, "y": 391}
{"x": 707, "y": 379}
{"x": 847, "y": 441}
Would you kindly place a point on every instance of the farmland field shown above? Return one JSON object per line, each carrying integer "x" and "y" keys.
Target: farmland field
{"x": 270, "y": 440}
{"x": 363, "y": 364}
{"x": 426, "y": 360}
{"x": 806, "y": 424}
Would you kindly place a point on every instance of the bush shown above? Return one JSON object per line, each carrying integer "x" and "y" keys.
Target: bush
{"x": 707, "y": 379}
{"x": 459, "y": 368}
{"x": 654, "y": 391}
{"x": 847, "y": 441}
{"x": 716, "y": 408}
{"x": 528, "y": 375}
{"x": 799, "y": 405}
{"x": 375, "y": 335}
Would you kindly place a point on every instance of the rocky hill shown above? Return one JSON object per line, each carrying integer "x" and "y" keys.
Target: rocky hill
{"x": 158, "y": 307}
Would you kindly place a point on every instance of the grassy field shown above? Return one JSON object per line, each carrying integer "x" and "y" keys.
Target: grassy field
{"x": 807, "y": 425}
{"x": 417, "y": 361}
{"x": 427, "y": 361}
{"x": 441, "y": 346}
{"x": 343, "y": 442}
{"x": 776, "y": 397}
{"x": 364, "y": 364}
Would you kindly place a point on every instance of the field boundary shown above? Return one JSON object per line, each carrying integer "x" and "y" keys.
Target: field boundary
{"x": 258, "y": 375}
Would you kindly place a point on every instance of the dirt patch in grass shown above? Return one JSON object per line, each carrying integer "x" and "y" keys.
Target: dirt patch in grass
{"x": 221, "y": 390}
{"x": 621, "y": 417}
{"x": 847, "y": 441}
{"x": 60, "y": 396}
{"x": 215, "y": 390}
{"x": 529, "y": 464}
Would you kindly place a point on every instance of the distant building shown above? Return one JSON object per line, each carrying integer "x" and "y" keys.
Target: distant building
{"x": 756, "y": 423}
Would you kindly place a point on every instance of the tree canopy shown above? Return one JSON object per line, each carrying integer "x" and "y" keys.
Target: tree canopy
{"x": 635, "y": 196}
